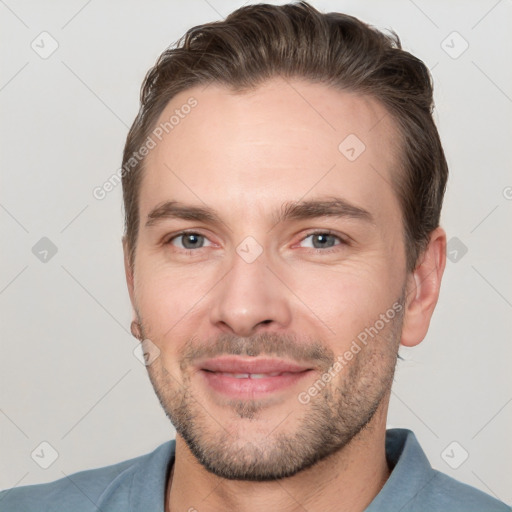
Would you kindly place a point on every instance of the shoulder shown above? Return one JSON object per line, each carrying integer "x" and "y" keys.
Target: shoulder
{"x": 445, "y": 493}
{"x": 414, "y": 486}
{"x": 86, "y": 490}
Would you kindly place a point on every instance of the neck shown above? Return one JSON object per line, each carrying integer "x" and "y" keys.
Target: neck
{"x": 346, "y": 481}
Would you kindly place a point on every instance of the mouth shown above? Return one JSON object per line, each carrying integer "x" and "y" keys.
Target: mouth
{"x": 241, "y": 377}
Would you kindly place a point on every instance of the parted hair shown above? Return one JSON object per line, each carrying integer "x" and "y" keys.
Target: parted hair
{"x": 261, "y": 41}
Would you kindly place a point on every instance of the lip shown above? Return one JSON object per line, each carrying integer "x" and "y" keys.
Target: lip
{"x": 240, "y": 377}
{"x": 237, "y": 364}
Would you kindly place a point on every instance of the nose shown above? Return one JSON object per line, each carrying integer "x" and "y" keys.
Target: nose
{"x": 250, "y": 298}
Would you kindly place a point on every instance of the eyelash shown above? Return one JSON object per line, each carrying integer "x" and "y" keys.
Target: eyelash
{"x": 343, "y": 242}
{"x": 327, "y": 232}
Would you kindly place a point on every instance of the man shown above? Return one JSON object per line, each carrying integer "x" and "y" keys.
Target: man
{"x": 283, "y": 184}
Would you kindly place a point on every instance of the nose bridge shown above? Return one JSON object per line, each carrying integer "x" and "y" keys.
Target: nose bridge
{"x": 249, "y": 296}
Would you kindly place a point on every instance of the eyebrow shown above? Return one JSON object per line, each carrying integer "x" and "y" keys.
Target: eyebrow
{"x": 295, "y": 210}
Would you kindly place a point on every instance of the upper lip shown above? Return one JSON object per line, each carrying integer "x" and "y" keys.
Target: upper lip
{"x": 237, "y": 364}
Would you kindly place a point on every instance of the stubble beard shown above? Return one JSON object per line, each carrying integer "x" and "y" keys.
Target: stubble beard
{"x": 311, "y": 432}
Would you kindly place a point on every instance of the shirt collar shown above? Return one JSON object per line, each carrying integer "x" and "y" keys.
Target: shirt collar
{"x": 410, "y": 473}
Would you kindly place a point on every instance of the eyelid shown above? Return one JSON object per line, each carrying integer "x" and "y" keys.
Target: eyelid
{"x": 344, "y": 240}
{"x": 168, "y": 239}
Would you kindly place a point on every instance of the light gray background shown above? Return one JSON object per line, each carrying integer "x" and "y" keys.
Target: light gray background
{"x": 68, "y": 374}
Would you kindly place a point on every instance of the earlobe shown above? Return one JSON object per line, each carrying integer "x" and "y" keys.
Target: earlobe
{"x": 423, "y": 289}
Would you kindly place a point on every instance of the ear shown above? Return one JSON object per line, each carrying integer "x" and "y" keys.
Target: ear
{"x": 128, "y": 273}
{"x": 423, "y": 286}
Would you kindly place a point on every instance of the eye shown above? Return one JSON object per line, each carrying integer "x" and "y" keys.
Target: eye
{"x": 322, "y": 240}
{"x": 187, "y": 240}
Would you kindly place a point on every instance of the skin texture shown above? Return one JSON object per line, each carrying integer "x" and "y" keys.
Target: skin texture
{"x": 304, "y": 298}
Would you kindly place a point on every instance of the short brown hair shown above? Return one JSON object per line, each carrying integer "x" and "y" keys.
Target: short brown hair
{"x": 262, "y": 41}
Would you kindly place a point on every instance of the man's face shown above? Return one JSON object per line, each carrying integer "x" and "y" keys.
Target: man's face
{"x": 252, "y": 309}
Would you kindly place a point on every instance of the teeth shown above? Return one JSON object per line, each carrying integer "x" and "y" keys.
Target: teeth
{"x": 252, "y": 375}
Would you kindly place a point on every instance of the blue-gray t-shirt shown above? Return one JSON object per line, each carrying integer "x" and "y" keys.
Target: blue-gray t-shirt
{"x": 138, "y": 485}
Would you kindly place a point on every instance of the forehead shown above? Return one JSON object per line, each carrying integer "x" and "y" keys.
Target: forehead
{"x": 281, "y": 141}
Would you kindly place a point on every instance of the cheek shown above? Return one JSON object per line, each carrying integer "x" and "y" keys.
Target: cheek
{"x": 166, "y": 302}
{"x": 342, "y": 302}
{"x": 165, "y": 298}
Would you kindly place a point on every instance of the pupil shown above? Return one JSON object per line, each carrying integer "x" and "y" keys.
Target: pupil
{"x": 322, "y": 239}
{"x": 191, "y": 238}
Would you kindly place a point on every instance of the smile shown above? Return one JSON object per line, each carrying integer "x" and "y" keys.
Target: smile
{"x": 249, "y": 377}
{"x": 254, "y": 375}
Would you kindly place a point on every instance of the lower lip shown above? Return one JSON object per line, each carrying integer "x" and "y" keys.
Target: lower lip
{"x": 251, "y": 388}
